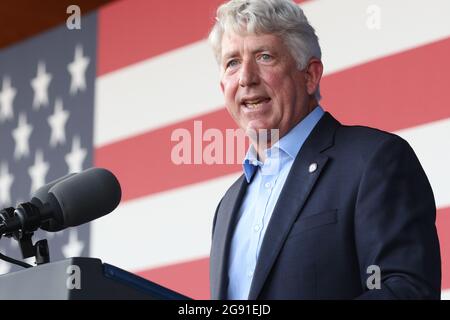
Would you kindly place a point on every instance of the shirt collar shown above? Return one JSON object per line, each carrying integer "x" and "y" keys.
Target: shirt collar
{"x": 289, "y": 145}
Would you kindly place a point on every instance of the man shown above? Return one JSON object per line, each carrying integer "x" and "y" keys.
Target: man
{"x": 347, "y": 213}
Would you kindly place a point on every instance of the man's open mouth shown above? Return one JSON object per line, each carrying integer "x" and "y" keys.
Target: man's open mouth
{"x": 255, "y": 103}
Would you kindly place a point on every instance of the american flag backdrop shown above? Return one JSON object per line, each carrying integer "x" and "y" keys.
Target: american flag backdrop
{"x": 112, "y": 94}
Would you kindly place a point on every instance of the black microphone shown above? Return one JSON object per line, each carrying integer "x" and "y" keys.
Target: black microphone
{"x": 70, "y": 201}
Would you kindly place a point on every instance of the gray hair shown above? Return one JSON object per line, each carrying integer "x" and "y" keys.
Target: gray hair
{"x": 281, "y": 17}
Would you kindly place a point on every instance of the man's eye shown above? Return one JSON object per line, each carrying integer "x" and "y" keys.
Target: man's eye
{"x": 265, "y": 57}
{"x": 232, "y": 63}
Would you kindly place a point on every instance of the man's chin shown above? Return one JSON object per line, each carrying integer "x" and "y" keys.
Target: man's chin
{"x": 257, "y": 125}
{"x": 262, "y": 132}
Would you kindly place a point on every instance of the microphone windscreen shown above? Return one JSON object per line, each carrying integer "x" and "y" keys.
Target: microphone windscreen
{"x": 86, "y": 196}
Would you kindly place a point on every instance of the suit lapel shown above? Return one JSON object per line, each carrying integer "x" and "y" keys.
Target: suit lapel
{"x": 226, "y": 221}
{"x": 298, "y": 185}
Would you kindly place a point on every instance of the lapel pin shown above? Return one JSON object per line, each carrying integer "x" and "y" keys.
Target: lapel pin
{"x": 312, "y": 167}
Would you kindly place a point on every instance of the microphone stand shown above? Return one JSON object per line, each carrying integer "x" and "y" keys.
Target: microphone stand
{"x": 39, "y": 250}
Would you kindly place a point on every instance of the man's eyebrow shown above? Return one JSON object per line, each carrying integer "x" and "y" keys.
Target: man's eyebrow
{"x": 230, "y": 54}
{"x": 262, "y": 48}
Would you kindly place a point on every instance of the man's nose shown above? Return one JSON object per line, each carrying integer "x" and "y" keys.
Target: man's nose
{"x": 249, "y": 74}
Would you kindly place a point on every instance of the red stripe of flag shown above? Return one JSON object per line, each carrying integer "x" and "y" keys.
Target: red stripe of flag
{"x": 143, "y": 164}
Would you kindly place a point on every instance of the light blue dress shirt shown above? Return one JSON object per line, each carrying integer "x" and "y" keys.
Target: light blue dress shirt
{"x": 259, "y": 202}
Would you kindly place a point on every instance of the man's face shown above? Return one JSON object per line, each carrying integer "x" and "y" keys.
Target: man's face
{"x": 262, "y": 85}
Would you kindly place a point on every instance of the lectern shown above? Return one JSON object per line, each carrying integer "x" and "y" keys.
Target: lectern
{"x": 80, "y": 278}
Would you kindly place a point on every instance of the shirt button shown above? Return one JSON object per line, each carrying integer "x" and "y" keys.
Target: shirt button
{"x": 267, "y": 185}
{"x": 250, "y": 274}
{"x": 257, "y": 227}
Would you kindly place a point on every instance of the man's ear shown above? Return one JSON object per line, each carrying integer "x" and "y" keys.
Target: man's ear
{"x": 313, "y": 74}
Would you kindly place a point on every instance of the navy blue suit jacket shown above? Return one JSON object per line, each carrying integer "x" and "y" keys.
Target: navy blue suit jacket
{"x": 368, "y": 202}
